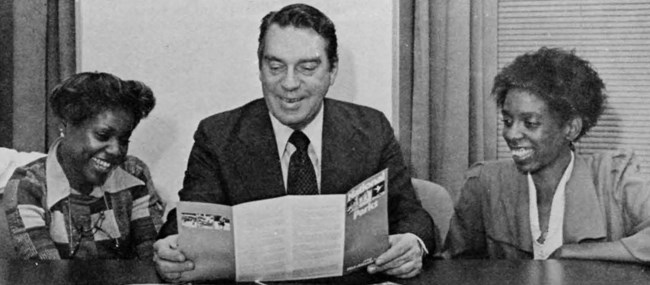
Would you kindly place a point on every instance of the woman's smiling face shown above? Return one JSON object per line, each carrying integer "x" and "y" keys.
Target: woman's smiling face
{"x": 536, "y": 136}
{"x": 91, "y": 149}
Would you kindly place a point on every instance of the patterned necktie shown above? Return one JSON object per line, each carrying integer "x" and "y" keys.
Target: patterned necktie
{"x": 302, "y": 177}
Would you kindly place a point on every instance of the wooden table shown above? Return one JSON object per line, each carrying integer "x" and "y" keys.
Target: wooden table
{"x": 77, "y": 272}
{"x": 437, "y": 272}
{"x": 552, "y": 272}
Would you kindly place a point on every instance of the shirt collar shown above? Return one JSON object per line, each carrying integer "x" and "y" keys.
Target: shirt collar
{"x": 584, "y": 218}
{"x": 556, "y": 220}
{"x": 313, "y": 130}
{"x": 561, "y": 184}
{"x": 58, "y": 186}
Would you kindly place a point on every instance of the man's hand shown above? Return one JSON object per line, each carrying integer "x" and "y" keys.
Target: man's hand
{"x": 170, "y": 262}
{"x": 403, "y": 259}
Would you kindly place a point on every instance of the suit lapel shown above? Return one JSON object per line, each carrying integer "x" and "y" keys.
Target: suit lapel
{"x": 341, "y": 156}
{"x": 255, "y": 156}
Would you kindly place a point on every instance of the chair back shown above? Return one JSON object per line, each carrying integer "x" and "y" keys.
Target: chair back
{"x": 438, "y": 203}
{"x": 7, "y": 250}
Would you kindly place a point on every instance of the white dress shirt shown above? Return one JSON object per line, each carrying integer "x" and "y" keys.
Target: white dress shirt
{"x": 313, "y": 131}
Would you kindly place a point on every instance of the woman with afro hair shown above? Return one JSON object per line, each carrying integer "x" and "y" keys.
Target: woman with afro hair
{"x": 547, "y": 201}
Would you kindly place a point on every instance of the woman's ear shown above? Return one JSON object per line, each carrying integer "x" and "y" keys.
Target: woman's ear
{"x": 573, "y": 128}
{"x": 62, "y": 128}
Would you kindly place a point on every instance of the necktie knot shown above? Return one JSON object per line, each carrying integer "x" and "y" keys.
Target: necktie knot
{"x": 299, "y": 140}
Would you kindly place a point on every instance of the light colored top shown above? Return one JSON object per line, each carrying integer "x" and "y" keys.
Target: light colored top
{"x": 542, "y": 249}
{"x": 313, "y": 131}
{"x": 607, "y": 199}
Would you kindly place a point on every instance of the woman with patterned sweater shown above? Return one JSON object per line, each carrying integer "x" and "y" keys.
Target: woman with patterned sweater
{"x": 87, "y": 199}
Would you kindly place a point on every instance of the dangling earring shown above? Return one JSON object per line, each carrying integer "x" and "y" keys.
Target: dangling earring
{"x": 61, "y": 133}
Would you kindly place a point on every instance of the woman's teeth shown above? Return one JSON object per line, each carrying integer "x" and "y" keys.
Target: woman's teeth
{"x": 521, "y": 152}
{"x": 101, "y": 164}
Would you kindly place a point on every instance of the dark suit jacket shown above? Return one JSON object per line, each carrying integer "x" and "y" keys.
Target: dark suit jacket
{"x": 235, "y": 160}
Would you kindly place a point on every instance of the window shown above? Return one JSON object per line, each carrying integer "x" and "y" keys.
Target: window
{"x": 614, "y": 36}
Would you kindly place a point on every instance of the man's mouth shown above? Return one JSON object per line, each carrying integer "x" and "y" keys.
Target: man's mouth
{"x": 291, "y": 100}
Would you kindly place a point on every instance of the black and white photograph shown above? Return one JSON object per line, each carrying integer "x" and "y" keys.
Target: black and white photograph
{"x": 514, "y": 136}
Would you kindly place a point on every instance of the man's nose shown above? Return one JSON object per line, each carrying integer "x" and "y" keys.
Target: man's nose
{"x": 290, "y": 80}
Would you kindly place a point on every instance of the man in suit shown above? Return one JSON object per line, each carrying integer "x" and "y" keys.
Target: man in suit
{"x": 246, "y": 154}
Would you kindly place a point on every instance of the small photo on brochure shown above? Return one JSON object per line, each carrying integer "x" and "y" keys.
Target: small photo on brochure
{"x": 205, "y": 221}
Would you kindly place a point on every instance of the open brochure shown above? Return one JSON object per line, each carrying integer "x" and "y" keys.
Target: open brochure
{"x": 286, "y": 238}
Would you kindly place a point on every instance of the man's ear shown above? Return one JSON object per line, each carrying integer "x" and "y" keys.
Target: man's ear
{"x": 333, "y": 71}
{"x": 573, "y": 128}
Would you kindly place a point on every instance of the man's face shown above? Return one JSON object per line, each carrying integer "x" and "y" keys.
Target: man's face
{"x": 295, "y": 74}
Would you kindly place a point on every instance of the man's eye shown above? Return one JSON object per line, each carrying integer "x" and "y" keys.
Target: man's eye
{"x": 308, "y": 67}
{"x": 507, "y": 122}
{"x": 276, "y": 67}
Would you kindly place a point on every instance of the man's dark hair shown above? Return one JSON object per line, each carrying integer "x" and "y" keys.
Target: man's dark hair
{"x": 305, "y": 17}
